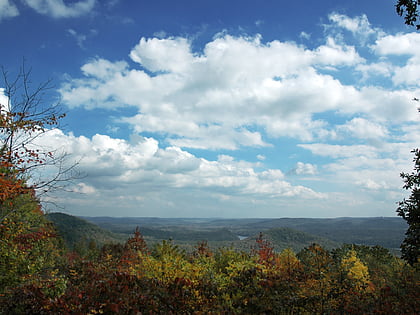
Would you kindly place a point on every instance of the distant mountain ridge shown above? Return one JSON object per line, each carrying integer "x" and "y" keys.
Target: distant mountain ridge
{"x": 387, "y": 232}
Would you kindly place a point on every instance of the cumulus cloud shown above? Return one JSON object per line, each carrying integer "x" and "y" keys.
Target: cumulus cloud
{"x": 223, "y": 95}
{"x": 110, "y": 163}
{"x": 371, "y": 184}
{"x": 333, "y": 54}
{"x": 364, "y": 167}
{"x": 359, "y": 25}
{"x": 209, "y": 99}
{"x": 59, "y": 9}
{"x": 399, "y": 44}
{"x": 304, "y": 169}
{"x": 405, "y": 46}
{"x": 349, "y": 104}
{"x": 377, "y": 69}
{"x": 363, "y": 129}
{"x": 340, "y": 151}
{"x": 7, "y": 10}
{"x": 171, "y": 54}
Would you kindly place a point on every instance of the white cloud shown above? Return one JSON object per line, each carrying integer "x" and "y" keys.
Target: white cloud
{"x": 381, "y": 104}
{"x": 4, "y": 100}
{"x": 171, "y": 54}
{"x": 378, "y": 69}
{"x": 7, "y": 10}
{"x": 110, "y": 163}
{"x": 59, "y": 9}
{"x": 304, "y": 169}
{"x": 402, "y": 45}
{"x": 104, "y": 69}
{"x": 358, "y": 25}
{"x": 209, "y": 99}
{"x": 363, "y": 129}
{"x": 83, "y": 188}
{"x": 333, "y": 54}
{"x": 409, "y": 74}
{"x": 261, "y": 157}
{"x": 365, "y": 168}
{"x": 371, "y": 184}
{"x": 350, "y": 106}
{"x": 340, "y": 151}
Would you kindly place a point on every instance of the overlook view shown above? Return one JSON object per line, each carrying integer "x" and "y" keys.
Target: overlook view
{"x": 209, "y": 157}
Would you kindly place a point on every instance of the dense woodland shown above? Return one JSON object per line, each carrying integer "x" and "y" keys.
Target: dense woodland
{"x": 40, "y": 276}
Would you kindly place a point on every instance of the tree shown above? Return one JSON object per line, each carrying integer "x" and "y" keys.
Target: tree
{"x": 409, "y": 9}
{"x": 30, "y": 250}
{"x": 409, "y": 210}
{"x": 24, "y": 117}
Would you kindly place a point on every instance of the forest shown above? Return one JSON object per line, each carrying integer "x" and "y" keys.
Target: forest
{"x": 39, "y": 275}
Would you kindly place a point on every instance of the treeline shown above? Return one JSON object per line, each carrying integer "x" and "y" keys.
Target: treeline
{"x": 39, "y": 276}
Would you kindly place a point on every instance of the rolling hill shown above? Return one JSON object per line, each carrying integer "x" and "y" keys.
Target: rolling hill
{"x": 295, "y": 233}
{"x": 74, "y": 230}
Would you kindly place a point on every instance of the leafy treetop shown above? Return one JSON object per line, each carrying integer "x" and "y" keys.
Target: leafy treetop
{"x": 409, "y": 9}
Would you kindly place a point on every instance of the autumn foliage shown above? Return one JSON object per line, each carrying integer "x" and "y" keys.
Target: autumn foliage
{"x": 133, "y": 279}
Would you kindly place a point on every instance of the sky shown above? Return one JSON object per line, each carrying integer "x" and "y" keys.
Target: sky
{"x": 229, "y": 109}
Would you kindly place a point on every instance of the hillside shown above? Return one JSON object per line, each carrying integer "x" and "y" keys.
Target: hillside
{"x": 74, "y": 230}
{"x": 384, "y": 231}
{"x": 295, "y": 233}
{"x": 282, "y": 238}
{"x": 288, "y": 238}
{"x": 185, "y": 234}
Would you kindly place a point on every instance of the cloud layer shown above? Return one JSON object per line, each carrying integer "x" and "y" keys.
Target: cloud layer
{"x": 241, "y": 126}
{"x": 347, "y": 102}
{"x": 241, "y": 91}
{"x": 7, "y": 10}
{"x": 53, "y": 8}
{"x": 117, "y": 170}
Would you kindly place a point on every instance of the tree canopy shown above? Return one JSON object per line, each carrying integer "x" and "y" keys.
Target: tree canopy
{"x": 409, "y": 9}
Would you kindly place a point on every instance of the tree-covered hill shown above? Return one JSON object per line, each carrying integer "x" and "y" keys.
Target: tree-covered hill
{"x": 184, "y": 234}
{"x": 75, "y": 231}
{"x": 387, "y": 232}
{"x": 282, "y": 238}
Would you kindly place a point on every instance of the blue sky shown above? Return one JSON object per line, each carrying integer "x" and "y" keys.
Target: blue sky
{"x": 225, "y": 108}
